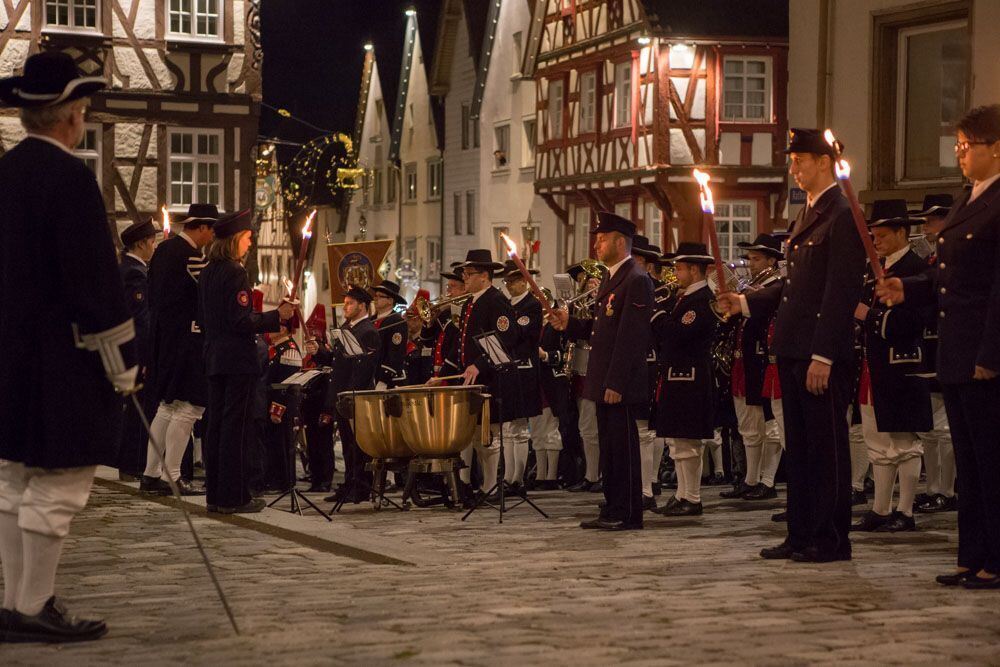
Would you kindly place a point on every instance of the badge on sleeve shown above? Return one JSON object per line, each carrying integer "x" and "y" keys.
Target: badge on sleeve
{"x": 243, "y": 298}
{"x": 503, "y": 323}
{"x": 524, "y": 320}
{"x": 688, "y": 317}
{"x": 137, "y": 296}
{"x": 397, "y": 338}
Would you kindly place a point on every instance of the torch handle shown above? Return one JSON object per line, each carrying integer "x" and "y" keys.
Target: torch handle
{"x": 299, "y": 266}
{"x": 713, "y": 237}
{"x": 533, "y": 285}
{"x": 862, "y": 227}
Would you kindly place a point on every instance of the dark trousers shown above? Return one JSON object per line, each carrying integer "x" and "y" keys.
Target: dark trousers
{"x": 319, "y": 448}
{"x": 817, "y": 457}
{"x": 974, "y": 417}
{"x": 279, "y": 452}
{"x": 355, "y": 475}
{"x": 618, "y": 438}
{"x": 134, "y": 441}
{"x": 228, "y": 439}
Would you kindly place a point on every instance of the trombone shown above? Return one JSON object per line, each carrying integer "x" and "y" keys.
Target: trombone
{"x": 427, "y": 310}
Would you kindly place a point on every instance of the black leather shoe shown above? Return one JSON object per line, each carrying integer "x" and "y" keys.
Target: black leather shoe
{"x": 663, "y": 508}
{"x": 596, "y": 487}
{"x": 252, "y": 507}
{"x": 815, "y": 555}
{"x": 53, "y": 624}
{"x": 870, "y": 522}
{"x": 761, "y": 492}
{"x": 783, "y": 551}
{"x": 955, "y": 578}
{"x": 936, "y": 503}
{"x": 657, "y": 488}
{"x": 318, "y": 488}
{"x": 582, "y": 486}
{"x": 897, "y": 523}
{"x": 153, "y": 486}
{"x": 737, "y": 491}
{"x": 978, "y": 584}
{"x": 683, "y": 507}
{"x": 780, "y": 517}
{"x": 648, "y": 503}
{"x": 126, "y": 477}
{"x": 858, "y": 498}
{"x": 716, "y": 479}
{"x": 616, "y": 524}
{"x": 592, "y": 523}
{"x": 189, "y": 489}
{"x": 869, "y": 486}
{"x": 922, "y": 498}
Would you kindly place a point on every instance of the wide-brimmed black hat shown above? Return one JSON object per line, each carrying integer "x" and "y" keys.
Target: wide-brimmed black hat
{"x": 138, "y": 231}
{"x": 889, "y": 213}
{"x": 234, "y": 223}
{"x": 481, "y": 258}
{"x": 358, "y": 294}
{"x": 389, "y": 289}
{"x": 764, "y": 243}
{"x": 642, "y": 247}
{"x": 938, "y": 205}
{"x": 50, "y": 78}
{"x": 206, "y": 214}
{"x": 510, "y": 270}
{"x": 455, "y": 273}
{"x": 690, "y": 252}
{"x": 609, "y": 222}
{"x": 808, "y": 140}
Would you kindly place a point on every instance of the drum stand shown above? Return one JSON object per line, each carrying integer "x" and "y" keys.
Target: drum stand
{"x": 380, "y": 471}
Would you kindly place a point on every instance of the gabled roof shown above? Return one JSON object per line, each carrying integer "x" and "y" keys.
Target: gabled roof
{"x": 718, "y": 18}
{"x": 483, "y": 66}
{"x": 359, "y": 116}
{"x": 454, "y": 16}
{"x": 410, "y": 37}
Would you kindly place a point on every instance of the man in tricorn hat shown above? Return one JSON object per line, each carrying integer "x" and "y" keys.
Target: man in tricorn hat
{"x": 392, "y": 335}
{"x": 62, "y": 296}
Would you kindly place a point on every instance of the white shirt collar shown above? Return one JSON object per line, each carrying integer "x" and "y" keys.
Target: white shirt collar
{"x": 136, "y": 257}
{"x": 476, "y": 295}
{"x": 979, "y": 187}
{"x": 695, "y": 287}
{"x": 355, "y": 322}
{"x": 187, "y": 238}
{"x": 611, "y": 271}
{"x": 54, "y": 142}
{"x": 815, "y": 199}
{"x": 518, "y": 299}
{"x": 896, "y": 256}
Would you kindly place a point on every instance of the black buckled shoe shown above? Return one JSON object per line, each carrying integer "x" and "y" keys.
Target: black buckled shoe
{"x": 153, "y": 486}
{"x": 897, "y": 523}
{"x": 53, "y": 624}
{"x": 667, "y": 505}
{"x": 783, "y": 551}
{"x": 936, "y": 503}
{"x": 955, "y": 578}
{"x": 761, "y": 492}
{"x": 581, "y": 486}
{"x": 188, "y": 489}
{"x": 738, "y": 490}
{"x": 978, "y": 583}
{"x": 780, "y": 517}
{"x": 870, "y": 522}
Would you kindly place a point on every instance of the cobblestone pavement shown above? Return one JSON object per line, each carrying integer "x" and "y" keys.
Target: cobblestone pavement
{"x": 529, "y": 591}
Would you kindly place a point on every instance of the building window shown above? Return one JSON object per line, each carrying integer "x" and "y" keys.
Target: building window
{"x": 377, "y": 187}
{"x": 555, "y": 109}
{"x": 581, "y": 232}
{"x": 624, "y": 209}
{"x": 391, "y": 174}
{"x": 501, "y": 146}
{"x": 410, "y": 182}
{"x": 195, "y": 167}
{"x": 470, "y": 212}
{"x": 195, "y": 18}
{"x": 623, "y": 94}
{"x": 746, "y": 92}
{"x": 410, "y": 250}
{"x": 499, "y": 245}
{"x": 528, "y": 139}
{"x": 89, "y": 149}
{"x": 435, "y": 174}
{"x": 71, "y": 13}
{"x": 516, "y": 52}
{"x": 735, "y": 222}
{"x": 465, "y": 125}
{"x": 456, "y": 200}
{"x": 433, "y": 255}
{"x": 654, "y": 224}
{"x": 475, "y": 132}
{"x": 588, "y": 102}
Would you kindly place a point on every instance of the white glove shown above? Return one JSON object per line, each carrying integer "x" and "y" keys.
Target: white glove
{"x": 125, "y": 382}
{"x": 381, "y": 386}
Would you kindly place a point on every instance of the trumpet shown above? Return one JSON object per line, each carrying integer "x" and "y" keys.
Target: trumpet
{"x": 428, "y": 309}
{"x": 580, "y": 297}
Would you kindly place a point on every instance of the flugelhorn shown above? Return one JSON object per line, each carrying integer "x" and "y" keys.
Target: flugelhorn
{"x": 427, "y": 309}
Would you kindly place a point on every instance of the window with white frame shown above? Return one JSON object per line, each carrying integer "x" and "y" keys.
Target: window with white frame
{"x": 736, "y": 222}
{"x": 410, "y": 182}
{"x": 433, "y": 255}
{"x": 746, "y": 89}
{"x": 470, "y": 212}
{"x": 588, "y": 101}
{"x": 80, "y": 14}
{"x": 410, "y": 250}
{"x": 516, "y": 53}
{"x": 499, "y": 245}
{"x": 654, "y": 224}
{"x": 624, "y": 209}
{"x": 195, "y": 167}
{"x": 435, "y": 174}
{"x": 89, "y": 149}
{"x": 195, "y": 18}
{"x": 528, "y": 139}
{"x": 623, "y": 94}
{"x": 501, "y": 146}
{"x": 555, "y": 109}
{"x": 581, "y": 232}
{"x": 456, "y": 212}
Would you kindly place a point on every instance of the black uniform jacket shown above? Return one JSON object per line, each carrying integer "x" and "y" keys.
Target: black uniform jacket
{"x": 419, "y": 363}
{"x": 229, "y": 322}
{"x": 529, "y": 321}
{"x": 753, "y": 350}
{"x": 64, "y": 321}
{"x": 135, "y": 279}
{"x": 554, "y": 382}
{"x": 965, "y": 284}
{"x": 356, "y": 373}
{"x": 392, "y": 350}
{"x": 826, "y": 270}
{"x": 685, "y": 390}
{"x": 893, "y": 341}
{"x": 178, "y": 368}
{"x": 619, "y": 336}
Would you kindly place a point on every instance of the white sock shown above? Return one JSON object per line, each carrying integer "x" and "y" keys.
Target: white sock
{"x": 715, "y": 448}
{"x": 552, "y": 455}
{"x": 658, "y": 446}
{"x": 754, "y": 455}
{"x": 646, "y": 465}
{"x": 770, "y": 458}
{"x": 541, "y": 466}
{"x": 11, "y": 557}
{"x": 885, "y": 479}
{"x": 520, "y": 460}
{"x": 692, "y": 472}
{"x": 38, "y": 581}
{"x": 909, "y": 478}
{"x": 859, "y": 457}
{"x": 489, "y": 459}
{"x": 592, "y": 454}
{"x": 682, "y": 481}
{"x": 158, "y": 430}
{"x": 178, "y": 437}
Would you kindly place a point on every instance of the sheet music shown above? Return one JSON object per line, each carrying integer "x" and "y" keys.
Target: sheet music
{"x": 350, "y": 344}
{"x": 302, "y": 377}
{"x": 494, "y": 349}
{"x": 565, "y": 288}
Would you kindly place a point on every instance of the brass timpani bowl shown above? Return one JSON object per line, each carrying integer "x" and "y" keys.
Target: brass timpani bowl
{"x": 439, "y": 422}
{"x": 376, "y": 419}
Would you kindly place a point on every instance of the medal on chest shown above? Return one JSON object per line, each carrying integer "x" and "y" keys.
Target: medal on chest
{"x": 609, "y": 310}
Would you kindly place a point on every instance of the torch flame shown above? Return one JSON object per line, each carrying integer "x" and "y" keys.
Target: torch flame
{"x": 166, "y": 221}
{"x": 830, "y": 139}
{"x": 289, "y": 286}
{"x": 307, "y": 227}
{"x": 707, "y": 201}
{"x": 843, "y": 169}
{"x": 511, "y": 246}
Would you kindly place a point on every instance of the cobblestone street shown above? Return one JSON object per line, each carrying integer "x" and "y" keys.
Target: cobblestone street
{"x": 422, "y": 587}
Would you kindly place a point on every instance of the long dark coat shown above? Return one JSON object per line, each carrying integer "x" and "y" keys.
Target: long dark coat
{"x": 529, "y": 321}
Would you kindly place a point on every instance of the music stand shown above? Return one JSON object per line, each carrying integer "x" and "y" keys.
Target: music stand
{"x": 500, "y": 362}
{"x": 294, "y": 385}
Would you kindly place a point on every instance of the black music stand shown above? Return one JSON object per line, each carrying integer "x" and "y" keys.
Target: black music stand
{"x": 501, "y": 362}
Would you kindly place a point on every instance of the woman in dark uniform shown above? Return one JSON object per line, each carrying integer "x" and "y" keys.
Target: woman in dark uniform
{"x": 229, "y": 324}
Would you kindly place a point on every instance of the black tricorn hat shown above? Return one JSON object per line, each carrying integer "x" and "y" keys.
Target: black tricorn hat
{"x": 609, "y": 222}
{"x": 690, "y": 252}
{"x": 809, "y": 140}
{"x": 389, "y": 289}
{"x": 939, "y": 205}
{"x": 206, "y": 214}
{"x": 641, "y": 247}
{"x": 764, "y": 243}
{"x": 358, "y": 294}
{"x": 481, "y": 258}
{"x": 234, "y": 223}
{"x": 138, "y": 231}
{"x": 510, "y": 269}
{"x": 50, "y": 78}
{"x": 889, "y": 213}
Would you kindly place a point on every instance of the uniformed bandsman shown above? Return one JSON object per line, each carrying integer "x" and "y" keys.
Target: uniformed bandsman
{"x": 546, "y": 430}
{"x": 419, "y": 363}
{"x": 586, "y": 409}
{"x": 442, "y": 333}
{"x": 284, "y": 360}
{"x": 392, "y": 335}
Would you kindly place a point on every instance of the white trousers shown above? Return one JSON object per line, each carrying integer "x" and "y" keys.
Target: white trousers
{"x": 753, "y": 430}
{"x": 650, "y": 456}
{"x": 859, "y": 454}
{"x": 44, "y": 501}
{"x": 774, "y": 445}
{"x": 171, "y": 427}
{"x": 588, "y": 433}
{"x": 489, "y": 455}
{"x": 515, "y": 450}
{"x": 886, "y": 448}
{"x": 544, "y": 429}
{"x": 939, "y": 456}
{"x": 687, "y": 456}
{"x": 713, "y": 449}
